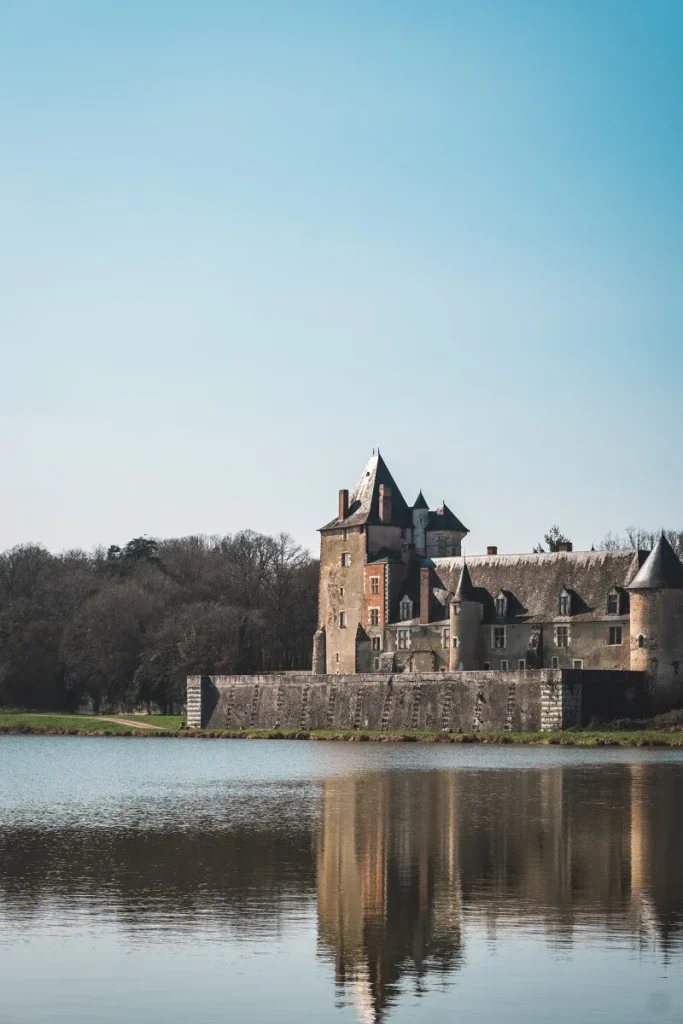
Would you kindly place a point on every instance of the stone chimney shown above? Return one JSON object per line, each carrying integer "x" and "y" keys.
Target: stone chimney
{"x": 492, "y": 550}
{"x": 343, "y": 504}
{"x": 425, "y": 593}
{"x": 565, "y": 545}
{"x": 385, "y": 503}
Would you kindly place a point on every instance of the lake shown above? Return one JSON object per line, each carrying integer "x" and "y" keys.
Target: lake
{"x": 160, "y": 880}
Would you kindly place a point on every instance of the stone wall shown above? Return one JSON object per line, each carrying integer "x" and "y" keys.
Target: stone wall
{"x": 430, "y": 702}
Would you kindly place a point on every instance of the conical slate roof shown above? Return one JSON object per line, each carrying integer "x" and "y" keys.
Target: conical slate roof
{"x": 465, "y": 589}
{"x": 443, "y": 519}
{"x": 420, "y": 501}
{"x": 662, "y": 570}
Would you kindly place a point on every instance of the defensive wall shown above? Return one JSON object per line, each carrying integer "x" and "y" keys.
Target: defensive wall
{"x": 524, "y": 701}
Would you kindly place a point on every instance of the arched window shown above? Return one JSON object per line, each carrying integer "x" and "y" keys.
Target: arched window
{"x": 641, "y": 640}
{"x": 405, "y": 609}
{"x": 564, "y": 603}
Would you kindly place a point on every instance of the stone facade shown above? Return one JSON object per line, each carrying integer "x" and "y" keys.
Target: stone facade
{"x": 397, "y": 595}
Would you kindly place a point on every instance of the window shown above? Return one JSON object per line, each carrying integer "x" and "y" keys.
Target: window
{"x": 501, "y": 606}
{"x": 374, "y": 616}
{"x": 555, "y": 662}
{"x": 445, "y": 637}
{"x": 341, "y": 591}
{"x": 562, "y": 636}
{"x": 375, "y": 664}
{"x": 342, "y": 620}
{"x": 456, "y": 641}
{"x": 406, "y": 609}
{"x": 578, "y": 662}
{"x": 456, "y": 609}
{"x": 345, "y": 559}
{"x": 376, "y": 643}
{"x": 499, "y": 638}
{"x": 612, "y": 604}
{"x": 336, "y": 657}
{"x": 521, "y": 664}
{"x": 486, "y": 666}
{"x": 345, "y": 534}
{"x": 403, "y": 639}
{"x": 403, "y": 534}
{"x": 564, "y": 604}
{"x": 374, "y": 584}
{"x": 641, "y": 640}
{"x": 614, "y": 636}
{"x": 504, "y": 665}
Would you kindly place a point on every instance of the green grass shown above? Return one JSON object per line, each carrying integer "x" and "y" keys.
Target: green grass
{"x": 91, "y": 725}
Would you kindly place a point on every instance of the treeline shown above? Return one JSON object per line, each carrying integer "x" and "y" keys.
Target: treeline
{"x": 124, "y": 627}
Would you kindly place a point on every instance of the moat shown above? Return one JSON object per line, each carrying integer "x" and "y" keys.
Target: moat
{"x": 291, "y": 882}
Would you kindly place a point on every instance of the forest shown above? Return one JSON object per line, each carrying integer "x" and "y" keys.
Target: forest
{"x": 122, "y": 628}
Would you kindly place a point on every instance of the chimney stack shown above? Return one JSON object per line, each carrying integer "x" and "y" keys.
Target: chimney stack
{"x": 343, "y": 504}
{"x": 492, "y": 550}
{"x": 565, "y": 545}
{"x": 425, "y": 593}
{"x": 385, "y": 503}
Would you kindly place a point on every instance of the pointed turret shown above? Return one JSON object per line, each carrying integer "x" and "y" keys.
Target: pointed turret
{"x": 420, "y": 501}
{"x": 656, "y": 611}
{"x": 465, "y": 588}
{"x": 662, "y": 570}
{"x": 465, "y": 619}
{"x": 375, "y": 499}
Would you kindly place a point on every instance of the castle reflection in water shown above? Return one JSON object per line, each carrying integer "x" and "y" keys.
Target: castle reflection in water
{"x": 403, "y": 861}
{"x": 401, "y": 867}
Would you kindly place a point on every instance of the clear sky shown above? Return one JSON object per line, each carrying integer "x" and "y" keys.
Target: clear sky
{"x": 243, "y": 243}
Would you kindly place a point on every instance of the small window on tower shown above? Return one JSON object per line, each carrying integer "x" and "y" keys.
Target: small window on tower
{"x": 345, "y": 534}
{"x": 342, "y": 620}
{"x": 345, "y": 559}
{"x": 641, "y": 640}
{"x": 341, "y": 591}
{"x": 374, "y": 584}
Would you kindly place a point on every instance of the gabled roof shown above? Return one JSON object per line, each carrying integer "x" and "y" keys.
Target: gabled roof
{"x": 364, "y": 499}
{"x": 662, "y": 570}
{"x": 534, "y": 582}
{"x": 420, "y": 501}
{"x": 465, "y": 588}
{"x": 444, "y": 519}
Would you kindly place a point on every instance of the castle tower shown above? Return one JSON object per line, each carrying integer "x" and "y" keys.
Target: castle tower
{"x": 656, "y": 641}
{"x": 420, "y": 512}
{"x": 466, "y": 613}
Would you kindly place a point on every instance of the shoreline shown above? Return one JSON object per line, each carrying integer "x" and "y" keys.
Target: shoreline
{"x": 596, "y": 738}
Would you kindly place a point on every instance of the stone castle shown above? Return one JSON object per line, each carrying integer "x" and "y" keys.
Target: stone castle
{"x": 396, "y": 595}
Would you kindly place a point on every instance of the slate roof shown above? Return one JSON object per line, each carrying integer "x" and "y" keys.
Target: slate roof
{"x": 420, "y": 501}
{"x": 533, "y": 582}
{"x": 661, "y": 571}
{"x": 364, "y": 499}
{"x": 443, "y": 519}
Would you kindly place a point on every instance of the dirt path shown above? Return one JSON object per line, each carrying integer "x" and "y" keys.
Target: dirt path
{"x": 129, "y": 722}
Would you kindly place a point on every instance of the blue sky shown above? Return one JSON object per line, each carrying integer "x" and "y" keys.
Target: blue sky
{"x": 243, "y": 244}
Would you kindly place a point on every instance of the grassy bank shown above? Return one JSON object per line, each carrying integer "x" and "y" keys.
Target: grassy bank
{"x": 28, "y": 723}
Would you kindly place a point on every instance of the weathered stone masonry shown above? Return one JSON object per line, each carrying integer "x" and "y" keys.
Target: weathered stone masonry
{"x": 428, "y": 702}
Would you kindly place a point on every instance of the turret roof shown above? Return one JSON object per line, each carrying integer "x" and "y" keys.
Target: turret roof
{"x": 364, "y": 499}
{"x": 444, "y": 519}
{"x": 465, "y": 588}
{"x": 662, "y": 569}
{"x": 420, "y": 501}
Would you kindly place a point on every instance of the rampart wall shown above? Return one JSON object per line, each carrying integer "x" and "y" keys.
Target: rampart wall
{"x": 530, "y": 701}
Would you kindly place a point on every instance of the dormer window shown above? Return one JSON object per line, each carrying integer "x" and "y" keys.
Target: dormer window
{"x": 501, "y": 605}
{"x": 405, "y": 609}
{"x": 564, "y": 603}
{"x": 613, "y": 602}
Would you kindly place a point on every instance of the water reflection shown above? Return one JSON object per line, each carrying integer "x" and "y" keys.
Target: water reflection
{"x": 402, "y": 862}
{"x": 398, "y": 868}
